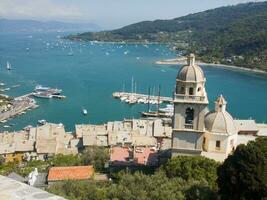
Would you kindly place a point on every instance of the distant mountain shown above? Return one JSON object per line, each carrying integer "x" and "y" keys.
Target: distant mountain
{"x": 7, "y": 25}
{"x": 234, "y": 35}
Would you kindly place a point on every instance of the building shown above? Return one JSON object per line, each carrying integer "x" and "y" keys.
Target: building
{"x": 190, "y": 106}
{"x": 37, "y": 143}
{"x": 134, "y": 132}
{"x": 196, "y": 131}
{"x": 221, "y": 133}
{"x": 56, "y": 174}
{"x": 127, "y": 156}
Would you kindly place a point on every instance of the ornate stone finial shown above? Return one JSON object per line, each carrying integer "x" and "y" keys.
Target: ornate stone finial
{"x": 191, "y": 59}
{"x": 220, "y": 104}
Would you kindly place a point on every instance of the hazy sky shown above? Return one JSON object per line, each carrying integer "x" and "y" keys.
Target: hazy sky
{"x": 106, "y": 13}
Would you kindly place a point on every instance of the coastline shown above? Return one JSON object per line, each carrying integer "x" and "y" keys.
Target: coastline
{"x": 182, "y": 61}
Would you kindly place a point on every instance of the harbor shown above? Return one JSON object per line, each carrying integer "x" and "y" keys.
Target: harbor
{"x": 13, "y": 107}
{"x": 133, "y": 98}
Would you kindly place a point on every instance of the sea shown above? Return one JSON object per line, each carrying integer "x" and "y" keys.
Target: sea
{"x": 96, "y": 70}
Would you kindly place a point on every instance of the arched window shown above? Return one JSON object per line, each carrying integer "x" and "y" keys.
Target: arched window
{"x": 199, "y": 89}
{"x": 191, "y": 91}
{"x": 189, "y": 116}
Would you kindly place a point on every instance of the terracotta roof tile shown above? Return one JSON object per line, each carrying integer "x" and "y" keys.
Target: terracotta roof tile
{"x": 70, "y": 173}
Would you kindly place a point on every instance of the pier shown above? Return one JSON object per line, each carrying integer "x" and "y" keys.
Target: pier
{"x": 133, "y": 98}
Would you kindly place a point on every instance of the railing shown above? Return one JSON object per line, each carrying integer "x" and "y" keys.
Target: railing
{"x": 189, "y": 97}
{"x": 189, "y": 126}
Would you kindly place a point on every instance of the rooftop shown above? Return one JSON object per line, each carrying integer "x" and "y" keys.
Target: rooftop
{"x": 70, "y": 173}
{"x": 133, "y": 156}
{"x": 14, "y": 190}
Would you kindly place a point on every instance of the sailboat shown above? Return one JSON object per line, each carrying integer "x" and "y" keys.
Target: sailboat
{"x": 8, "y": 66}
{"x": 71, "y": 52}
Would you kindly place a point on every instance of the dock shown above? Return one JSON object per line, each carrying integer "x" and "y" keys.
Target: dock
{"x": 133, "y": 98}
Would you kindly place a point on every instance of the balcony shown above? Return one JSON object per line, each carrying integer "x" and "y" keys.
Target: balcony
{"x": 189, "y": 98}
{"x": 189, "y": 126}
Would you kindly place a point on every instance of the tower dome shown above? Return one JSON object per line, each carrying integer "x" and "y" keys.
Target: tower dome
{"x": 219, "y": 120}
{"x": 191, "y": 72}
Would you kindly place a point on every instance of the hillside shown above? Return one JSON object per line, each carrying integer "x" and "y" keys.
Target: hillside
{"x": 234, "y": 35}
{"x": 7, "y": 25}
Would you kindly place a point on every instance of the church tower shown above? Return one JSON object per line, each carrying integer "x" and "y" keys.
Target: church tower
{"x": 190, "y": 103}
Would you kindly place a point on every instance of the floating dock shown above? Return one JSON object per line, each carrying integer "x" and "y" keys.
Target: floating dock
{"x": 133, "y": 98}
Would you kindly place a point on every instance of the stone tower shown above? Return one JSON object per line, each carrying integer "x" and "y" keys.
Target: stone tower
{"x": 190, "y": 103}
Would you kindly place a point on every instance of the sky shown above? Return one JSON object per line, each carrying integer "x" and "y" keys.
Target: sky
{"x": 108, "y": 14}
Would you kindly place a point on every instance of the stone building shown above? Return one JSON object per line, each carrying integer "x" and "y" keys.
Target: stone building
{"x": 221, "y": 133}
{"x": 196, "y": 131}
{"x": 190, "y": 105}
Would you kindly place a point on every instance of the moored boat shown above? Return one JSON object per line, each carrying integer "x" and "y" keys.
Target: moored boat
{"x": 53, "y": 91}
{"x": 42, "y": 95}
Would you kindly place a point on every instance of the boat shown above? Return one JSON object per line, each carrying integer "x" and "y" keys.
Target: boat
{"x": 84, "y": 111}
{"x": 71, "y": 52}
{"x": 53, "y": 91}
{"x": 42, "y": 95}
{"x": 42, "y": 122}
{"x": 6, "y": 126}
{"x": 168, "y": 109}
{"x": 8, "y": 66}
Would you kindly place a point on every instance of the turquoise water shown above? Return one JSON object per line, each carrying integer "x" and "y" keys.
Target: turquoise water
{"x": 89, "y": 78}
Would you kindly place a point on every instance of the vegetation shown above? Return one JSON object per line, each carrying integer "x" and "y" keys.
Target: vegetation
{"x": 243, "y": 175}
{"x": 96, "y": 156}
{"x": 193, "y": 169}
{"x": 158, "y": 186}
{"x": 234, "y": 35}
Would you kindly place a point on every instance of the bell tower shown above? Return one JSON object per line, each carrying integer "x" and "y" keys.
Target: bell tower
{"x": 190, "y": 104}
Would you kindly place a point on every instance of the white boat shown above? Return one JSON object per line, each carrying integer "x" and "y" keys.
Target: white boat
{"x": 42, "y": 95}
{"x": 168, "y": 109}
{"x": 8, "y": 66}
{"x": 85, "y": 112}
{"x": 53, "y": 91}
{"x": 42, "y": 122}
{"x": 6, "y": 126}
{"x": 123, "y": 98}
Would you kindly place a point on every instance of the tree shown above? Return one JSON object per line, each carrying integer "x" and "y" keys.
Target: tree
{"x": 192, "y": 168}
{"x": 65, "y": 160}
{"x": 96, "y": 156}
{"x": 243, "y": 175}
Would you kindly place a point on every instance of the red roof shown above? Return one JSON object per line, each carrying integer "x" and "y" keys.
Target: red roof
{"x": 70, "y": 173}
{"x": 139, "y": 156}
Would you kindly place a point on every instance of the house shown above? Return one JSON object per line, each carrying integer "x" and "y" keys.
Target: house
{"x": 56, "y": 174}
{"x": 126, "y": 156}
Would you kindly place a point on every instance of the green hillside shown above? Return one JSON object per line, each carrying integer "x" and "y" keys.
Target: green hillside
{"x": 230, "y": 35}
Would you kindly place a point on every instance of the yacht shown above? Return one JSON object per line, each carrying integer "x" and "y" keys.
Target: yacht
{"x": 42, "y": 122}
{"x": 168, "y": 109}
{"x": 85, "y": 112}
{"x": 53, "y": 91}
{"x": 42, "y": 95}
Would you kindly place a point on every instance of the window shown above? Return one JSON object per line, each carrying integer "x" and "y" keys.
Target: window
{"x": 189, "y": 116}
{"x": 218, "y": 145}
{"x": 182, "y": 90}
{"x": 199, "y": 89}
{"x": 191, "y": 91}
{"x": 204, "y": 141}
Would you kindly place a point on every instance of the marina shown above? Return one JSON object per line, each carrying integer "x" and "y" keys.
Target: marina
{"x": 133, "y": 98}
